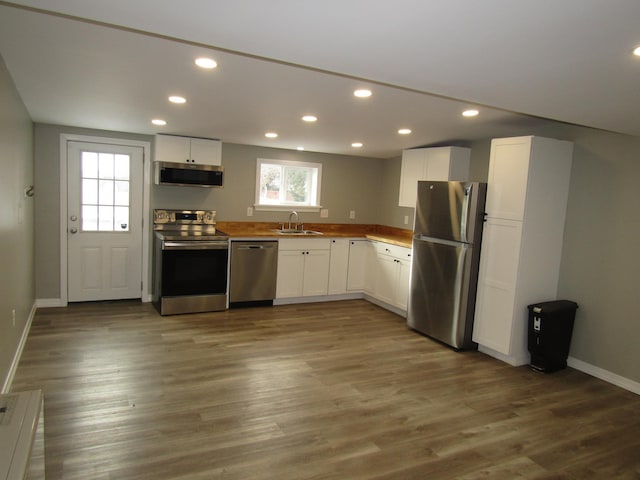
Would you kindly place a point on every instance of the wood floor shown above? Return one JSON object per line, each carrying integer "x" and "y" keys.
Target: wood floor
{"x": 318, "y": 391}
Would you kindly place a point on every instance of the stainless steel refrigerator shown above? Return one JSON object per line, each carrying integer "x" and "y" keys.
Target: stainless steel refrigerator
{"x": 446, "y": 254}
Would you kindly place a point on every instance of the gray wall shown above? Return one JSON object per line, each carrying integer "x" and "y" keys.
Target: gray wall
{"x": 348, "y": 183}
{"x": 16, "y": 221}
{"x": 47, "y": 214}
{"x": 599, "y": 260}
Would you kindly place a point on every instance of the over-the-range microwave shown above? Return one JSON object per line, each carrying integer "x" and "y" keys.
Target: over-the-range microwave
{"x": 189, "y": 174}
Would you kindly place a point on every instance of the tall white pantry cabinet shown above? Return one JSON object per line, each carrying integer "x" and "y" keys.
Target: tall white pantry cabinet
{"x": 527, "y": 192}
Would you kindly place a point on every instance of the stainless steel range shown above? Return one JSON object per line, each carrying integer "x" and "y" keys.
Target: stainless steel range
{"x": 190, "y": 262}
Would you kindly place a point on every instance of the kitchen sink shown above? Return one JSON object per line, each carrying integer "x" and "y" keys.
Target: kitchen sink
{"x": 294, "y": 231}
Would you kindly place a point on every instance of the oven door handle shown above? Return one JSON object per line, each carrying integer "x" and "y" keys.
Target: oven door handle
{"x": 198, "y": 245}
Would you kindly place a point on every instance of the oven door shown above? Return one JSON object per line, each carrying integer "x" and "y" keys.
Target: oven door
{"x": 193, "y": 276}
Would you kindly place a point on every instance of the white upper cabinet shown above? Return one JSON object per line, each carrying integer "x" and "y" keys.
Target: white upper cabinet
{"x": 437, "y": 163}
{"x": 202, "y": 151}
{"x": 508, "y": 173}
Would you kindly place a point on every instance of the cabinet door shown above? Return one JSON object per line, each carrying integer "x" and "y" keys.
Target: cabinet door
{"x": 338, "y": 266}
{"x": 497, "y": 278}
{"x": 404, "y": 281}
{"x": 412, "y": 170}
{"x": 437, "y": 164}
{"x": 316, "y": 273}
{"x": 385, "y": 278}
{"x": 206, "y": 152}
{"x": 290, "y": 273}
{"x": 507, "y": 182}
{"x": 171, "y": 148}
{"x": 357, "y": 269}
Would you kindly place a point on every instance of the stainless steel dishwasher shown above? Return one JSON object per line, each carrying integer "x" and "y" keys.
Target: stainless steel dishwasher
{"x": 254, "y": 268}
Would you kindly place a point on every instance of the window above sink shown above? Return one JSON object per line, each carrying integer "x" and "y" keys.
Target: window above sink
{"x": 286, "y": 184}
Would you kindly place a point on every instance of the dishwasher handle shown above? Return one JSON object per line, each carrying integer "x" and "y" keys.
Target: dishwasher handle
{"x": 255, "y": 247}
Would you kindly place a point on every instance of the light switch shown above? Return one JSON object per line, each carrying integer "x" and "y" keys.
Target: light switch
{"x": 249, "y": 211}
{"x": 324, "y": 213}
{"x": 352, "y": 214}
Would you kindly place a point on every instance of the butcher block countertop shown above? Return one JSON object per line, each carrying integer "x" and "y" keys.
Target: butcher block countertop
{"x": 380, "y": 233}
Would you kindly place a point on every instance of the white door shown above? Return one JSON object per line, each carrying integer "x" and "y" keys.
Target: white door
{"x": 104, "y": 222}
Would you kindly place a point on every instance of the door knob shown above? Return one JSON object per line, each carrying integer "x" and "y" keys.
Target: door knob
{"x": 74, "y": 230}
{"x": 73, "y": 218}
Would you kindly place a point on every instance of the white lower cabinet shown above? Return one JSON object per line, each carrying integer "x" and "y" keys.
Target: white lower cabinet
{"x": 392, "y": 265}
{"x": 303, "y": 268}
{"x": 359, "y": 272}
{"x": 338, "y": 266}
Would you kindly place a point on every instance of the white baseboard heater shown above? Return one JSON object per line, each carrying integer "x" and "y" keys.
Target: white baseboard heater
{"x": 22, "y": 436}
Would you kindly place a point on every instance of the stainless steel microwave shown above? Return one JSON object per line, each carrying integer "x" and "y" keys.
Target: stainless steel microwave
{"x": 189, "y": 174}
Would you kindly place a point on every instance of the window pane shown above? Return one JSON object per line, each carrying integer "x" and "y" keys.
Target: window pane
{"x": 121, "y": 167}
{"x": 105, "y": 165}
{"x": 89, "y": 165}
{"x": 270, "y": 183}
{"x": 89, "y": 191}
{"x": 297, "y": 181}
{"x": 121, "y": 219}
{"x": 288, "y": 183}
{"x": 105, "y": 218}
{"x": 121, "y": 193}
{"x": 106, "y": 192}
{"x": 89, "y": 218}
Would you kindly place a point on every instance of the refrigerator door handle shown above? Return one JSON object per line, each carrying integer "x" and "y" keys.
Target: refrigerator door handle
{"x": 464, "y": 214}
{"x": 451, "y": 243}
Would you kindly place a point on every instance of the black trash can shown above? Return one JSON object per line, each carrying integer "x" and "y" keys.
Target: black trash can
{"x": 550, "y": 329}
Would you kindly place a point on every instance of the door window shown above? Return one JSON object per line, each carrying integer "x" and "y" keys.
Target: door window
{"x": 105, "y": 182}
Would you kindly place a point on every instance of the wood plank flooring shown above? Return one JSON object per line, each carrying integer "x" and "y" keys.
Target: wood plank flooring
{"x": 316, "y": 391}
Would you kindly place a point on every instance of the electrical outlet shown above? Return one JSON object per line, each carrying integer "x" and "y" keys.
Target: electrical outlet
{"x": 13, "y": 316}
{"x": 406, "y": 219}
{"x": 249, "y": 211}
{"x": 352, "y": 214}
{"x": 324, "y": 213}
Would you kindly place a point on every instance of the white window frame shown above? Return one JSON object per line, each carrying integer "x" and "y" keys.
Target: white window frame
{"x": 286, "y": 207}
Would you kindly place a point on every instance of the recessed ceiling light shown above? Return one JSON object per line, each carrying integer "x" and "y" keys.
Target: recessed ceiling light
{"x": 158, "y": 121}
{"x": 470, "y": 113}
{"x": 404, "y": 131}
{"x": 204, "y": 62}
{"x": 636, "y": 51}
{"x": 310, "y": 118}
{"x": 271, "y": 135}
{"x": 362, "y": 93}
{"x": 356, "y": 144}
{"x": 177, "y": 99}
{"x": 300, "y": 148}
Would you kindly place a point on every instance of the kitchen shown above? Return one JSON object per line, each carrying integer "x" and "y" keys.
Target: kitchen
{"x": 596, "y": 269}
{"x": 604, "y": 165}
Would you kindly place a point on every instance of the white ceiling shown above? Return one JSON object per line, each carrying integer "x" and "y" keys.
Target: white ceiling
{"x": 112, "y": 65}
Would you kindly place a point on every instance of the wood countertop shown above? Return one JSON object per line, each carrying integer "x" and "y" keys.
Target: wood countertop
{"x": 380, "y": 233}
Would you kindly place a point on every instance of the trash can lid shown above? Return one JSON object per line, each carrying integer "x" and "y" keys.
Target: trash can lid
{"x": 553, "y": 306}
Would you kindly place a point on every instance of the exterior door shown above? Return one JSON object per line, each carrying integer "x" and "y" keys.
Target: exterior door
{"x": 104, "y": 223}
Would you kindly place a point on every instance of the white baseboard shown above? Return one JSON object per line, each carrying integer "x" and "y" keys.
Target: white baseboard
{"x": 16, "y": 358}
{"x": 316, "y": 299}
{"x": 50, "y": 302}
{"x": 513, "y": 360}
{"x": 605, "y": 375}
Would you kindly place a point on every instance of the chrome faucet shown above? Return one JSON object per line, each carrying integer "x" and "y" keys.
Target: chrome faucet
{"x": 297, "y": 219}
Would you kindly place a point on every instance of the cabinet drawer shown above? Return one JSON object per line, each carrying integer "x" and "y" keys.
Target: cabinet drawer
{"x": 392, "y": 250}
{"x": 304, "y": 244}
